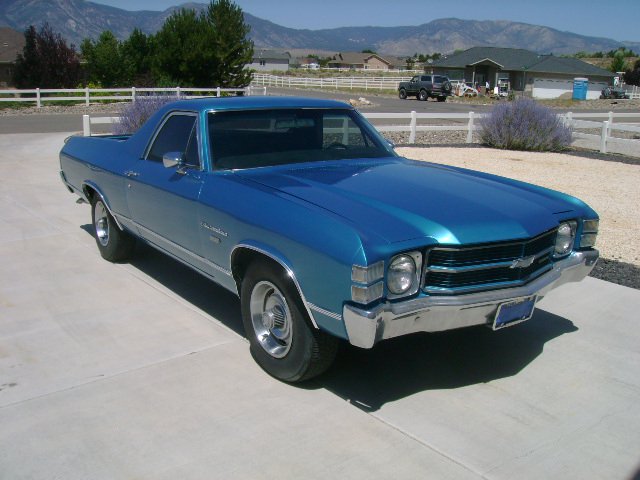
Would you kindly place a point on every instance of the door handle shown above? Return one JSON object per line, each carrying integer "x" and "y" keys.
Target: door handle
{"x": 131, "y": 173}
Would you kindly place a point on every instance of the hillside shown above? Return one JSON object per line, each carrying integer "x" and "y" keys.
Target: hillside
{"x": 79, "y": 19}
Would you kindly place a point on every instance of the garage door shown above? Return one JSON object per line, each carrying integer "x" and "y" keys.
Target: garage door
{"x": 553, "y": 88}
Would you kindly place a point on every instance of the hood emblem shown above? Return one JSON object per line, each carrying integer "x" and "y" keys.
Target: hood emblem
{"x": 523, "y": 262}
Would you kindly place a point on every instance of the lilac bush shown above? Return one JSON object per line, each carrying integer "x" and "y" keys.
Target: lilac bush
{"x": 133, "y": 115}
{"x": 524, "y": 125}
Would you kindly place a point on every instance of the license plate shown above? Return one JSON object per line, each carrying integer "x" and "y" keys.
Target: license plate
{"x": 517, "y": 311}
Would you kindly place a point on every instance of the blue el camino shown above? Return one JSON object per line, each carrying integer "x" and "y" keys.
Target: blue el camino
{"x": 302, "y": 209}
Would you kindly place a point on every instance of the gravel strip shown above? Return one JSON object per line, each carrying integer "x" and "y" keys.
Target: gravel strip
{"x": 610, "y": 187}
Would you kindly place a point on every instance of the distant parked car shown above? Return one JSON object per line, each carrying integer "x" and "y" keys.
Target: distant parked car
{"x": 613, "y": 92}
{"x": 425, "y": 86}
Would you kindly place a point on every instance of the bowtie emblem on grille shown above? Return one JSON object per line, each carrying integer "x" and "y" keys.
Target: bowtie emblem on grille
{"x": 523, "y": 262}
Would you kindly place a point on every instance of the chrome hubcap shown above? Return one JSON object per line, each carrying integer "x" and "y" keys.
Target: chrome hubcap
{"x": 271, "y": 319}
{"x": 101, "y": 223}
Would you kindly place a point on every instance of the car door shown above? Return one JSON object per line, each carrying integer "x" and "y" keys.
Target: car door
{"x": 163, "y": 201}
{"x": 413, "y": 86}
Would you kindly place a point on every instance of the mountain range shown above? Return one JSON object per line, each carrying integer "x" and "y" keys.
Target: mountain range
{"x": 79, "y": 19}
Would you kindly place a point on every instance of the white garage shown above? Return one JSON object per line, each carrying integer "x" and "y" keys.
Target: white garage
{"x": 556, "y": 87}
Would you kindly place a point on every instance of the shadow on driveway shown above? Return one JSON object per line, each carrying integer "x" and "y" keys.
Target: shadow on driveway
{"x": 395, "y": 368}
{"x": 401, "y": 367}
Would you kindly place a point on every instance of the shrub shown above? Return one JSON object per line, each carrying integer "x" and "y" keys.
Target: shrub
{"x": 134, "y": 114}
{"x": 524, "y": 125}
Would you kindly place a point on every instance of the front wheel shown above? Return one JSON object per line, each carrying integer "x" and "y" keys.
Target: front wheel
{"x": 114, "y": 244}
{"x": 282, "y": 340}
{"x": 402, "y": 94}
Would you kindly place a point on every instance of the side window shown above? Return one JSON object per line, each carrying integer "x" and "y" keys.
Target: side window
{"x": 341, "y": 130}
{"x": 176, "y": 135}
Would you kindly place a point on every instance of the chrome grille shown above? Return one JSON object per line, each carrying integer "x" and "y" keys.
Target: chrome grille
{"x": 459, "y": 270}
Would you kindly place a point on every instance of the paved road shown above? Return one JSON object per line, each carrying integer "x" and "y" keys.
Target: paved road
{"x": 140, "y": 371}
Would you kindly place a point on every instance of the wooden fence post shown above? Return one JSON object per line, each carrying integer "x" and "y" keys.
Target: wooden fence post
{"x": 87, "y": 96}
{"x": 38, "y": 103}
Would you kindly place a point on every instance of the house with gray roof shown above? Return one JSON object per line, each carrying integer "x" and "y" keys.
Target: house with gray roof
{"x": 540, "y": 76}
{"x": 360, "y": 61}
{"x": 266, "y": 60}
{"x": 11, "y": 44}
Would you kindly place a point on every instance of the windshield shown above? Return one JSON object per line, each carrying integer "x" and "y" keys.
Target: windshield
{"x": 260, "y": 138}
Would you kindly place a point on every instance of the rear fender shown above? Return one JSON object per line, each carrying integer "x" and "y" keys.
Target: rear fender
{"x": 89, "y": 189}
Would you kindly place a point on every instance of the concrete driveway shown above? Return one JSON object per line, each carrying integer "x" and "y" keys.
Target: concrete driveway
{"x": 141, "y": 371}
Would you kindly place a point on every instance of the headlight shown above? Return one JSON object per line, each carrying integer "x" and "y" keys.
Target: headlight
{"x": 589, "y": 233}
{"x": 565, "y": 239}
{"x": 403, "y": 274}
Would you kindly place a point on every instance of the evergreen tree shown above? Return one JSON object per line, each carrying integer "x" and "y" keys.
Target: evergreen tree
{"x": 232, "y": 49}
{"x": 46, "y": 61}
{"x": 632, "y": 76}
{"x": 183, "y": 51}
{"x": 206, "y": 50}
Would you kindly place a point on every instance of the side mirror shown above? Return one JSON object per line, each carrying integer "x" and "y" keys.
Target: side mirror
{"x": 173, "y": 159}
{"x": 390, "y": 143}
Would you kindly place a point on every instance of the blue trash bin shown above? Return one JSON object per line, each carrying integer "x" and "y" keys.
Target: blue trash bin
{"x": 580, "y": 87}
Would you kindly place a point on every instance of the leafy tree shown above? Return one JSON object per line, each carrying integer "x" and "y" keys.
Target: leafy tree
{"x": 105, "y": 61}
{"x": 632, "y": 76}
{"x": 618, "y": 64}
{"x": 137, "y": 53}
{"x": 368, "y": 50}
{"x": 46, "y": 61}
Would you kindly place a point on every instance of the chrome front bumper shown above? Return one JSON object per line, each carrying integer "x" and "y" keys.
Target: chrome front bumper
{"x": 437, "y": 313}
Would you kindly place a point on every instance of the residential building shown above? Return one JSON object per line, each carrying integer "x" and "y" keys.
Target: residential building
{"x": 268, "y": 60}
{"x": 360, "y": 61}
{"x": 11, "y": 44}
{"x": 539, "y": 76}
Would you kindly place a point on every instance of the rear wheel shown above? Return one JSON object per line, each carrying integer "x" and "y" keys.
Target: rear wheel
{"x": 282, "y": 340}
{"x": 423, "y": 96}
{"x": 442, "y": 99}
{"x": 114, "y": 244}
{"x": 402, "y": 94}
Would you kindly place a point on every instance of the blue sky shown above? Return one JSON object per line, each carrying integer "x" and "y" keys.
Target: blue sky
{"x": 586, "y": 17}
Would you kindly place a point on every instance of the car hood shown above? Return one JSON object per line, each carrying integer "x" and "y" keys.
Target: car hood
{"x": 400, "y": 200}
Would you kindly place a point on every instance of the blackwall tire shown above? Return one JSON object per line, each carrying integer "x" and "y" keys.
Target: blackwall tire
{"x": 423, "y": 95}
{"x": 402, "y": 94}
{"x": 114, "y": 244}
{"x": 282, "y": 340}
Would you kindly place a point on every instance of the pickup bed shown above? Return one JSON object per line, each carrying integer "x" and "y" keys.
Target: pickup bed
{"x": 426, "y": 86}
{"x": 305, "y": 212}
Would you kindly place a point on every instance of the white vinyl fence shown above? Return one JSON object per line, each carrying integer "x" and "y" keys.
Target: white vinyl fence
{"x": 88, "y": 95}
{"x": 468, "y": 122}
{"x": 604, "y": 138}
{"x": 367, "y": 83}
